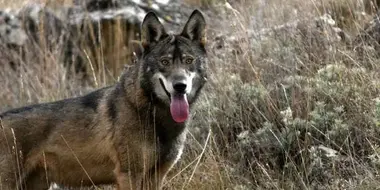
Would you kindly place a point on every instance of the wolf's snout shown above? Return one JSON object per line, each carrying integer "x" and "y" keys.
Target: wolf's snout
{"x": 180, "y": 87}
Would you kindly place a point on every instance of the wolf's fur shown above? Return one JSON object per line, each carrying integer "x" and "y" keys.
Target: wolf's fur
{"x": 122, "y": 134}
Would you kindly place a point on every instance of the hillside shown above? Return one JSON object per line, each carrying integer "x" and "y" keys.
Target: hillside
{"x": 293, "y": 100}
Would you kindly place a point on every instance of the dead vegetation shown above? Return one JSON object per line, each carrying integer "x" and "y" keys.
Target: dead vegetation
{"x": 288, "y": 105}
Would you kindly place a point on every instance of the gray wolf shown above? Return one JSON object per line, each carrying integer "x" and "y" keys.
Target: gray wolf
{"x": 129, "y": 134}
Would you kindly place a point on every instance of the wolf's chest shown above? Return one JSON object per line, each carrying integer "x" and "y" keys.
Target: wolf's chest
{"x": 172, "y": 150}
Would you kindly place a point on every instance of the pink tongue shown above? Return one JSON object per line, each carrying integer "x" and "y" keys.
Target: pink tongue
{"x": 179, "y": 108}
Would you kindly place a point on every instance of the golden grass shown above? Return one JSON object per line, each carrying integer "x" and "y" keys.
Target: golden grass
{"x": 207, "y": 164}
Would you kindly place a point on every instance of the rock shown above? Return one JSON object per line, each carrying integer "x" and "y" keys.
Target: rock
{"x": 89, "y": 35}
{"x": 101, "y": 5}
{"x": 10, "y": 29}
{"x": 12, "y": 36}
{"x": 94, "y": 34}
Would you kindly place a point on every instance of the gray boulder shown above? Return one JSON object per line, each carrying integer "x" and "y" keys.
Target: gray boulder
{"x": 86, "y": 37}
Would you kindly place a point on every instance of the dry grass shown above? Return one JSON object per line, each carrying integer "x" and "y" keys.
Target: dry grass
{"x": 294, "y": 110}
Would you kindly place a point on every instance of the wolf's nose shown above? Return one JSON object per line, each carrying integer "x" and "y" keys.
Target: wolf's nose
{"x": 180, "y": 87}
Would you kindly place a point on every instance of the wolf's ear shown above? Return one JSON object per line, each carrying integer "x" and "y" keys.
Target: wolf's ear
{"x": 152, "y": 30}
{"x": 195, "y": 28}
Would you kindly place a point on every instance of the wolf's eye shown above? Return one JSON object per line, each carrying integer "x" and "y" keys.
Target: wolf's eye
{"x": 189, "y": 60}
{"x": 165, "y": 62}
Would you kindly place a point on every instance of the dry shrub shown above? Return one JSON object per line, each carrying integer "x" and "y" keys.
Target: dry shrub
{"x": 349, "y": 14}
{"x": 295, "y": 109}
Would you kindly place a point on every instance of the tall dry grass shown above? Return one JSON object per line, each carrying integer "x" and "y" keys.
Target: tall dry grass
{"x": 294, "y": 109}
{"x": 284, "y": 109}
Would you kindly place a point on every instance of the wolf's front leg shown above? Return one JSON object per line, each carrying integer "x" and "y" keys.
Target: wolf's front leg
{"x": 130, "y": 170}
{"x": 157, "y": 176}
{"x": 126, "y": 181}
{"x": 129, "y": 175}
{"x": 138, "y": 177}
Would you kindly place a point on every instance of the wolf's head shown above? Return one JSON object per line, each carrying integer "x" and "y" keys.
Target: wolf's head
{"x": 173, "y": 67}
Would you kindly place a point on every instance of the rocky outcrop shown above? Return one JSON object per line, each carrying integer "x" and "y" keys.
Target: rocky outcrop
{"x": 90, "y": 35}
{"x": 87, "y": 36}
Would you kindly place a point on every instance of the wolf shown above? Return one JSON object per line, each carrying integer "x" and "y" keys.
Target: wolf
{"x": 129, "y": 134}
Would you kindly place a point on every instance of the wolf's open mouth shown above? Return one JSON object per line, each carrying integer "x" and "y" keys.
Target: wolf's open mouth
{"x": 179, "y": 107}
